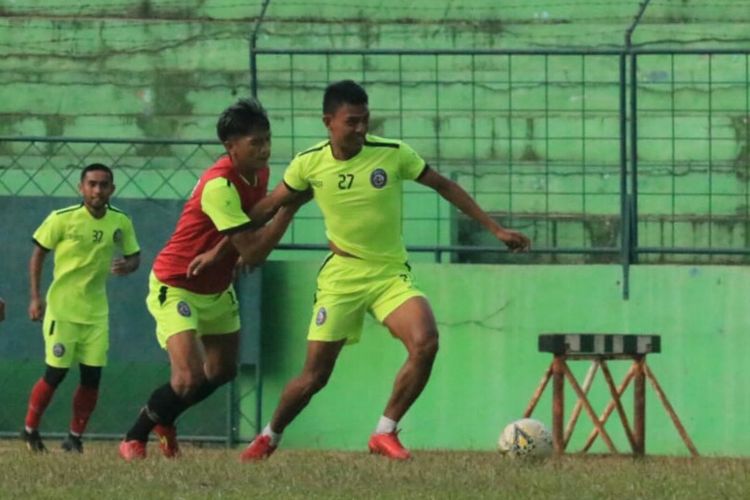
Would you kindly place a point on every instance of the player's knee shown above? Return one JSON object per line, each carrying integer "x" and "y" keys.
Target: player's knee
{"x": 53, "y": 376}
{"x": 91, "y": 376}
{"x": 425, "y": 346}
{"x": 316, "y": 380}
{"x": 222, "y": 375}
{"x": 186, "y": 382}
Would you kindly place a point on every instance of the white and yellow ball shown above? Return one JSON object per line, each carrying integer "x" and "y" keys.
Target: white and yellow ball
{"x": 525, "y": 437}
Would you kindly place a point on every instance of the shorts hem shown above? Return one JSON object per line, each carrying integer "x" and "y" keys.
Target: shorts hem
{"x": 381, "y": 316}
{"x": 348, "y": 340}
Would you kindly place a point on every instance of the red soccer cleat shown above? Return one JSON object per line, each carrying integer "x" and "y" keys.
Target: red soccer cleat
{"x": 168, "y": 444}
{"x": 132, "y": 450}
{"x": 259, "y": 449}
{"x": 389, "y": 446}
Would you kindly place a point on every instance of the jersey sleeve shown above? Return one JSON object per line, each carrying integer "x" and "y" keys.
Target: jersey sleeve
{"x": 49, "y": 234}
{"x": 221, "y": 202}
{"x": 129, "y": 241}
{"x": 411, "y": 165}
{"x": 294, "y": 176}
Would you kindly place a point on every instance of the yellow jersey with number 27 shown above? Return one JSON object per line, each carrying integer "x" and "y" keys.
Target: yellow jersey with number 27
{"x": 360, "y": 198}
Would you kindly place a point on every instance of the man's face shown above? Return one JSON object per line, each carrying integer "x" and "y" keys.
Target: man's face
{"x": 348, "y": 125}
{"x": 251, "y": 151}
{"x": 96, "y": 187}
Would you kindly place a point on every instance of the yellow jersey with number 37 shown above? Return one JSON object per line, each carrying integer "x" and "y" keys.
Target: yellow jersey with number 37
{"x": 84, "y": 247}
{"x": 360, "y": 198}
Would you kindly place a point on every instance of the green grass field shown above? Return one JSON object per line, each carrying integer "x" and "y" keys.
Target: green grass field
{"x": 216, "y": 473}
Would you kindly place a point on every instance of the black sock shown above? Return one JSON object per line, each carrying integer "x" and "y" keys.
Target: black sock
{"x": 202, "y": 392}
{"x": 162, "y": 408}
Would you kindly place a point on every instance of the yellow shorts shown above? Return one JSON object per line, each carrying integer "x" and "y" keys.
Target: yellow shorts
{"x": 66, "y": 343}
{"x": 348, "y": 287}
{"x": 177, "y": 310}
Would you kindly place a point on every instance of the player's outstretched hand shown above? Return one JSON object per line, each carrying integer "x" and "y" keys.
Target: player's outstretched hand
{"x": 514, "y": 240}
{"x": 36, "y": 309}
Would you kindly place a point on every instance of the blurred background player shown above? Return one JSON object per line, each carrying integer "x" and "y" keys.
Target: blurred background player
{"x": 190, "y": 290}
{"x": 357, "y": 180}
{"x": 85, "y": 238}
{"x": 2, "y": 309}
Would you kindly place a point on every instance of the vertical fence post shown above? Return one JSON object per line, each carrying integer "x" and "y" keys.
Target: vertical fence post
{"x": 253, "y": 72}
{"x": 634, "y": 157}
{"x": 253, "y": 43}
{"x": 624, "y": 202}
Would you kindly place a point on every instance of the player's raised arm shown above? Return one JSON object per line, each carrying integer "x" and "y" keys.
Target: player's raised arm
{"x": 266, "y": 208}
{"x": 281, "y": 204}
{"x": 36, "y": 264}
{"x": 456, "y": 195}
{"x": 253, "y": 243}
{"x": 254, "y": 246}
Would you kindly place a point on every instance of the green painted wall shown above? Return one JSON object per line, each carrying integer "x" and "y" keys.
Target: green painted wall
{"x": 488, "y": 365}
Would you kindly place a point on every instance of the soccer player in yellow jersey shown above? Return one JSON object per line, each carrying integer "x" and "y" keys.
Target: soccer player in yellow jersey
{"x": 357, "y": 182}
{"x": 90, "y": 241}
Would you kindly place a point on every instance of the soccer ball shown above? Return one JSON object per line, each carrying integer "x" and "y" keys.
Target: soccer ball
{"x": 525, "y": 437}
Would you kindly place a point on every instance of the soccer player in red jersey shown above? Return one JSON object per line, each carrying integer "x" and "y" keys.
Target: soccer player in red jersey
{"x": 192, "y": 300}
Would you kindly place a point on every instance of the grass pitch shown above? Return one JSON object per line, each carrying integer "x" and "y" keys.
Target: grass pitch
{"x": 216, "y": 473}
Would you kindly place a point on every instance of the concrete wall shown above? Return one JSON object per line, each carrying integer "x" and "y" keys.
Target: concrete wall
{"x": 533, "y": 137}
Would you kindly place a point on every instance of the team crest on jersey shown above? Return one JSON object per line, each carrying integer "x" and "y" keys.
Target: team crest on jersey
{"x": 58, "y": 350}
{"x": 320, "y": 318}
{"x": 378, "y": 178}
{"x": 117, "y": 236}
{"x": 183, "y": 308}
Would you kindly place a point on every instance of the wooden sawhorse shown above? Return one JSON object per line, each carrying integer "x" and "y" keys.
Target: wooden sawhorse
{"x": 600, "y": 348}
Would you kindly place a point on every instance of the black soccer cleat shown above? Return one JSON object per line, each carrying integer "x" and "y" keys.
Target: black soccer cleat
{"x": 73, "y": 444}
{"x": 33, "y": 441}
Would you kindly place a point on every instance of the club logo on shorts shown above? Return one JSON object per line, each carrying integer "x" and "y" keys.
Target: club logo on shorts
{"x": 378, "y": 178}
{"x": 320, "y": 318}
{"x": 117, "y": 236}
{"x": 58, "y": 350}
{"x": 183, "y": 308}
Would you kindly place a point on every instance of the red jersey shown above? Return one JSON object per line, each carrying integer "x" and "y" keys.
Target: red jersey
{"x": 219, "y": 205}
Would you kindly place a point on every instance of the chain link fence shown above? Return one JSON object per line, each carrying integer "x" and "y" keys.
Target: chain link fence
{"x": 600, "y": 156}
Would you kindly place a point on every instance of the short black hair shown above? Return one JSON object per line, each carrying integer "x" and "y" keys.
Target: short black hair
{"x": 97, "y": 166}
{"x": 241, "y": 118}
{"x": 343, "y": 92}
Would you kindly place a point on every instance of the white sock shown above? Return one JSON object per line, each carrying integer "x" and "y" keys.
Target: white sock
{"x": 385, "y": 425}
{"x": 275, "y": 436}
